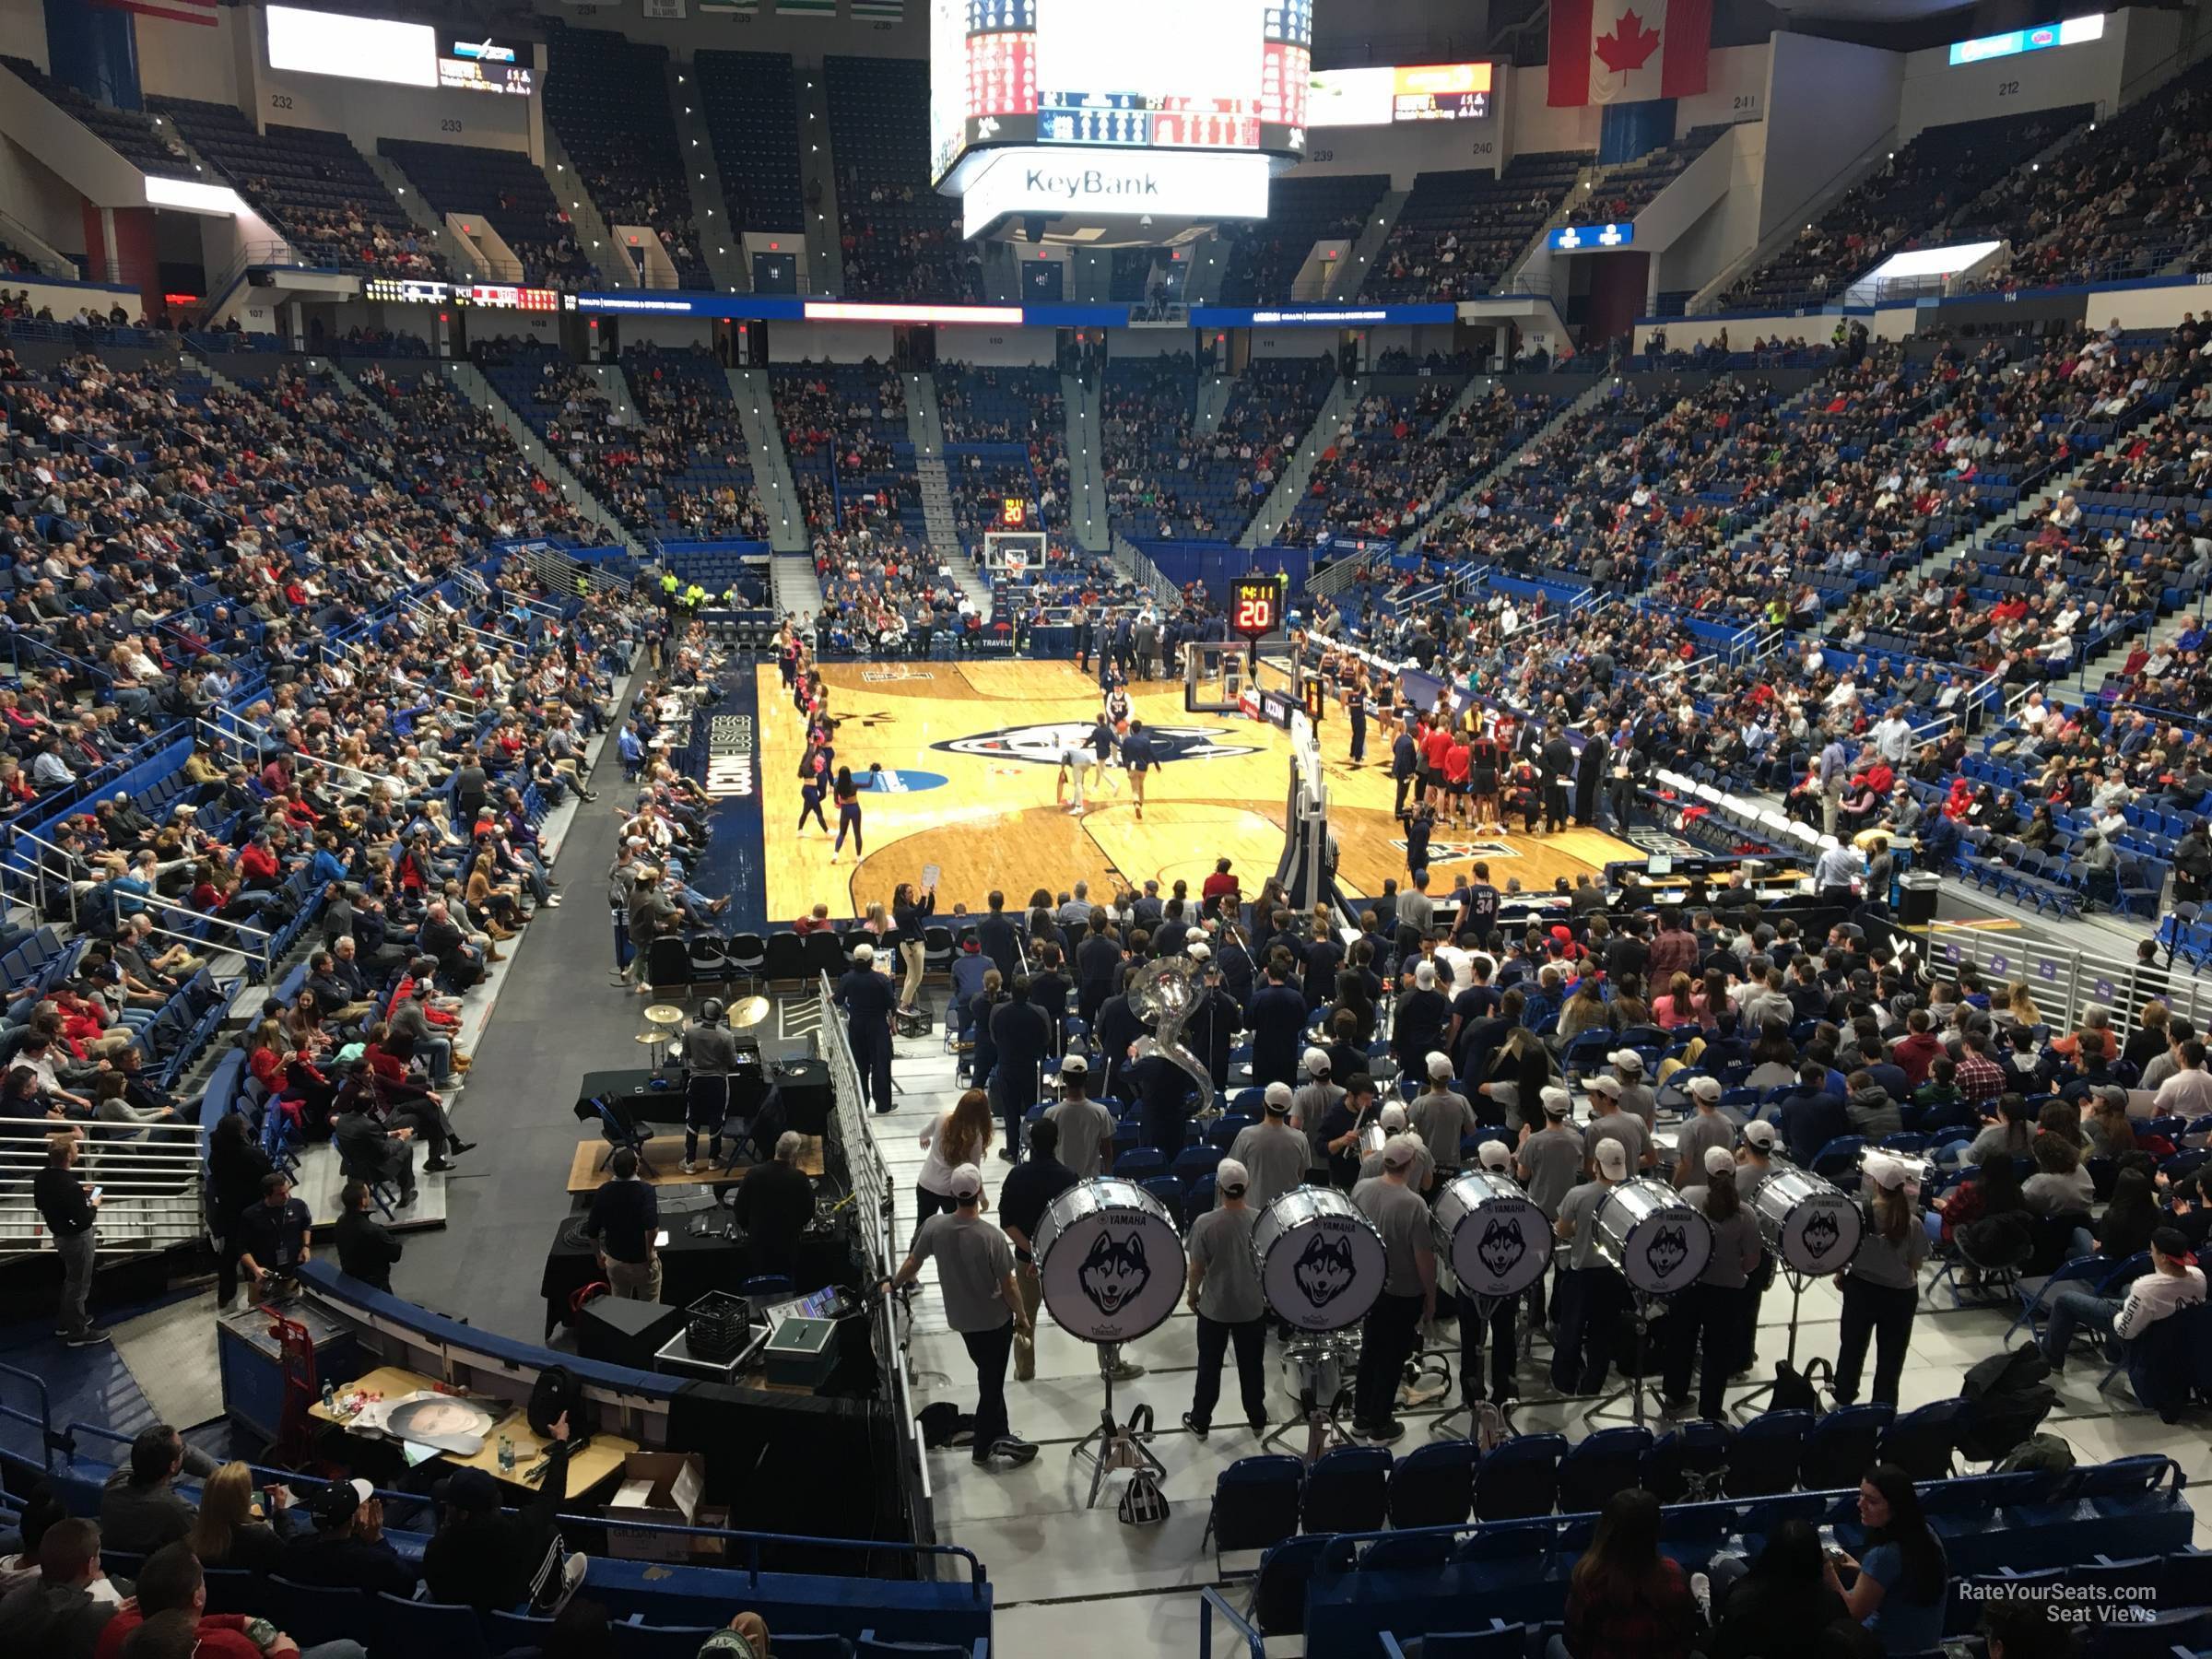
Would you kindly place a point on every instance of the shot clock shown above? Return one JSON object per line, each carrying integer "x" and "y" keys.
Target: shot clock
{"x": 1255, "y": 607}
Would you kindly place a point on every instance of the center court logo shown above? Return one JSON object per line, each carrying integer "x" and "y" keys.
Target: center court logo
{"x": 1043, "y": 745}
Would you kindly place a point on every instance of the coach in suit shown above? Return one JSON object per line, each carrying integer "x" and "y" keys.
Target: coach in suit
{"x": 1556, "y": 761}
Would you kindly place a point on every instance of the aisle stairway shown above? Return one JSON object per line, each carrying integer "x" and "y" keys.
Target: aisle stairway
{"x": 771, "y": 462}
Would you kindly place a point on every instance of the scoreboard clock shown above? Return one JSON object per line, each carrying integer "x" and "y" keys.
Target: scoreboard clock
{"x": 1014, "y": 512}
{"x": 1255, "y": 607}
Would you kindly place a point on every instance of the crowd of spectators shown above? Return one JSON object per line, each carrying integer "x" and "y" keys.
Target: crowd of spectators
{"x": 898, "y": 238}
{"x": 1459, "y": 231}
{"x": 607, "y": 99}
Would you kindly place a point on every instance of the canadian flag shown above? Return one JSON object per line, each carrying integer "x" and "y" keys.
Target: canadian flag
{"x": 1626, "y": 50}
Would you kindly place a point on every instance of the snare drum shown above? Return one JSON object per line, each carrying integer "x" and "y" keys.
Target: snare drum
{"x": 1496, "y": 1239}
{"x": 1110, "y": 1261}
{"x": 1812, "y": 1226}
{"x": 1659, "y": 1243}
{"x": 1322, "y": 1262}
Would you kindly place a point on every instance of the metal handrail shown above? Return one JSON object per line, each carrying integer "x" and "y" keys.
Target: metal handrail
{"x": 43, "y": 1422}
{"x": 317, "y": 761}
{"x": 1212, "y": 1602}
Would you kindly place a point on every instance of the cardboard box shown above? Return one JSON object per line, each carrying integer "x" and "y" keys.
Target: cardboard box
{"x": 663, "y": 1486}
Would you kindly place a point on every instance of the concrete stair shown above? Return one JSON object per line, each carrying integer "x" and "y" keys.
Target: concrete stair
{"x": 818, "y": 181}
{"x": 771, "y": 463}
{"x": 459, "y": 259}
{"x": 1085, "y": 471}
{"x": 591, "y": 234}
{"x": 794, "y": 588}
{"x": 925, "y": 426}
{"x": 1465, "y": 498}
{"x": 479, "y": 391}
{"x": 1214, "y": 393}
{"x": 718, "y": 243}
{"x": 377, "y": 412}
{"x": 1298, "y": 470}
{"x": 1360, "y": 258}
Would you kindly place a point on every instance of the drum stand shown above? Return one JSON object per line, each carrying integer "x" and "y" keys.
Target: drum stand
{"x": 1799, "y": 1282}
{"x": 1113, "y": 1445}
{"x": 1645, "y": 1307}
{"x": 1310, "y": 1351}
{"x": 1485, "y": 1306}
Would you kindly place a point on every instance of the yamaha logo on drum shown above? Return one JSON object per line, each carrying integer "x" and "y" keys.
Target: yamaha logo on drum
{"x": 1325, "y": 1271}
{"x": 1115, "y": 1273}
{"x": 1501, "y": 1245}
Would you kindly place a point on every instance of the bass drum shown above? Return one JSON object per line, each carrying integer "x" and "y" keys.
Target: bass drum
{"x": 1812, "y": 1226}
{"x": 1496, "y": 1239}
{"x": 1322, "y": 1262}
{"x": 1659, "y": 1243}
{"x": 1110, "y": 1261}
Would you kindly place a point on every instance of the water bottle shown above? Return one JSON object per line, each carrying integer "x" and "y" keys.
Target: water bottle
{"x": 506, "y": 1454}
{"x": 330, "y": 1399}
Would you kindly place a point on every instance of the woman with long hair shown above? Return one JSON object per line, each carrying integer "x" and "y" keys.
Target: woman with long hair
{"x": 848, "y": 815}
{"x": 814, "y": 779}
{"x": 2127, "y": 1223}
{"x": 1898, "y": 1591}
{"x": 959, "y": 1134}
{"x": 1678, "y": 1007}
{"x": 1624, "y": 1600}
{"x": 1881, "y": 1287}
{"x": 1708, "y": 1314}
{"x": 1770, "y": 1609}
{"x": 1587, "y": 1010}
{"x": 228, "y": 1532}
{"x": 2060, "y": 1186}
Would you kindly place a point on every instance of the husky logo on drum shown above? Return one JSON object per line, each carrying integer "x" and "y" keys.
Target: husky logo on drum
{"x": 1043, "y": 745}
{"x": 1501, "y": 1245}
{"x": 1325, "y": 1271}
{"x": 1115, "y": 1273}
{"x": 1821, "y": 1234}
{"x": 1668, "y": 1250}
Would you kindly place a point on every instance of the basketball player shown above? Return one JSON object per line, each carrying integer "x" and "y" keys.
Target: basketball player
{"x": 1075, "y": 761}
{"x": 1101, "y": 742}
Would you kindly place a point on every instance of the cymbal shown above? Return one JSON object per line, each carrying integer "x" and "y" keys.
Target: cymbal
{"x": 664, "y": 1014}
{"x": 751, "y": 1011}
{"x": 648, "y": 1037}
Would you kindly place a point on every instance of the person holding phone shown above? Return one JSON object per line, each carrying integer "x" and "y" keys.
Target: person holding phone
{"x": 68, "y": 1210}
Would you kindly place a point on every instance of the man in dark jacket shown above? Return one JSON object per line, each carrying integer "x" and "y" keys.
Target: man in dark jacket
{"x": 1556, "y": 761}
{"x": 1000, "y": 938}
{"x": 1097, "y": 959}
{"x": 55, "y": 1615}
{"x": 366, "y": 1250}
{"x": 485, "y": 1556}
{"x": 775, "y": 1201}
{"x": 867, "y": 996}
{"x": 1278, "y": 1024}
{"x": 1020, "y": 1034}
{"x": 347, "y": 1549}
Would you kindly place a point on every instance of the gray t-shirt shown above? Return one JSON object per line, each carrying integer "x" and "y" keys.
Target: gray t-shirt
{"x": 1642, "y": 1100}
{"x": 1220, "y": 1242}
{"x": 1442, "y": 1121}
{"x": 1697, "y": 1137}
{"x": 1897, "y": 1266}
{"x": 710, "y": 1049}
{"x": 1623, "y": 1126}
{"x": 1276, "y": 1157}
{"x": 1579, "y": 1210}
{"x": 1736, "y": 1246}
{"x": 1424, "y": 1168}
{"x": 1402, "y": 1221}
{"x": 973, "y": 1259}
{"x": 1085, "y": 1127}
{"x": 1548, "y": 1161}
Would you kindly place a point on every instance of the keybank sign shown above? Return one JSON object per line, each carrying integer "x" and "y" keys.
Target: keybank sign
{"x": 1029, "y": 178}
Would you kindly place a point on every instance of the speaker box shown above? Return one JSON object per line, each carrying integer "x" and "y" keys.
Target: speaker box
{"x": 805, "y": 1085}
{"x": 619, "y": 1331}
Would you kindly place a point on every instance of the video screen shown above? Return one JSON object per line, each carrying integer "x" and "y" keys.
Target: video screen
{"x": 375, "y": 49}
{"x": 1227, "y": 74}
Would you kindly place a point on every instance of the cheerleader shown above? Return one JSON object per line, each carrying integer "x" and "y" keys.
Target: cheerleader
{"x": 848, "y": 813}
{"x": 1355, "y": 714}
{"x": 814, "y": 782}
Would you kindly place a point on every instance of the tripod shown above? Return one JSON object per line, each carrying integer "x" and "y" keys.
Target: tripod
{"x": 1798, "y": 1281}
{"x": 1321, "y": 1358}
{"x": 1113, "y": 1445}
{"x": 1644, "y": 1307}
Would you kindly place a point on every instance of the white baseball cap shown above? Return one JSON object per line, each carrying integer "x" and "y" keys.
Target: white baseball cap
{"x": 1557, "y": 1101}
{"x": 1495, "y": 1154}
{"x": 1612, "y": 1159}
{"x": 1889, "y": 1173}
{"x": 1075, "y": 1064}
{"x": 863, "y": 954}
{"x": 1601, "y": 1084}
{"x": 967, "y": 1182}
{"x": 1626, "y": 1059}
{"x": 1704, "y": 1089}
{"x": 1198, "y": 950}
{"x": 1230, "y": 1176}
{"x": 1760, "y": 1133}
{"x": 1440, "y": 1066}
{"x": 1719, "y": 1161}
{"x": 1315, "y": 1061}
{"x": 1278, "y": 1097}
{"x": 1394, "y": 1116}
{"x": 1398, "y": 1152}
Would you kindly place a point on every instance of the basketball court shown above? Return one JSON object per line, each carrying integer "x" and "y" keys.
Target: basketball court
{"x": 971, "y": 756}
